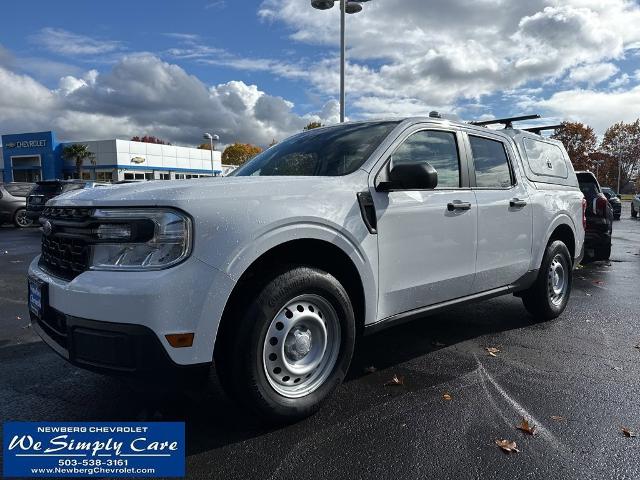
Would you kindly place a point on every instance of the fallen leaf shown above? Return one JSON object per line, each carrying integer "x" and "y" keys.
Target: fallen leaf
{"x": 19, "y": 318}
{"x": 492, "y": 351}
{"x": 637, "y": 346}
{"x": 588, "y": 294}
{"x": 371, "y": 369}
{"x": 526, "y": 428}
{"x": 396, "y": 381}
{"x": 507, "y": 447}
{"x": 628, "y": 433}
{"x": 557, "y": 418}
{"x": 598, "y": 282}
{"x": 447, "y": 397}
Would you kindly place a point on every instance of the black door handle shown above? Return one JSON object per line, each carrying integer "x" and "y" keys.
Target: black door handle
{"x": 458, "y": 205}
{"x": 517, "y": 203}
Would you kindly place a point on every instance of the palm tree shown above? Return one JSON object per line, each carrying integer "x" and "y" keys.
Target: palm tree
{"x": 79, "y": 153}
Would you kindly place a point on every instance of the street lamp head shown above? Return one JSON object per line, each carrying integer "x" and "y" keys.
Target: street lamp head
{"x": 207, "y": 136}
{"x": 322, "y": 4}
{"x": 215, "y": 138}
{"x": 352, "y": 7}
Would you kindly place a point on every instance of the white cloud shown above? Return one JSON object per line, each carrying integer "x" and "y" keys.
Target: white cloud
{"x": 597, "y": 108}
{"x": 408, "y": 56}
{"x": 593, "y": 73}
{"x": 64, "y": 42}
{"x": 143, "y": 95}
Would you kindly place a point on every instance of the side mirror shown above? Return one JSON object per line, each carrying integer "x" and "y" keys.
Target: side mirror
{"x": 412, "y": 176}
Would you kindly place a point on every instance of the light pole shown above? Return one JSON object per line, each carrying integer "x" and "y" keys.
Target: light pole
{"x": 212, "y": 138}
{"x": 598, "y": 163}
{"x": 350, "y": 7}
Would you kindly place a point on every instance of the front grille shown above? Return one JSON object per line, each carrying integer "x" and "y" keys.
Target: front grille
{"x": 65, "y": 255}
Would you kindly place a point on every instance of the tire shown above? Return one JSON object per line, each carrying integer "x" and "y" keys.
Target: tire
{"x": 616, "y": 217}
{"x": 634, "y": 213}
{"x": 20, "y": 219}
{"x": 290, "y": 347}
{"x": 602, "y": 253}
{"x": 547, "y": 298}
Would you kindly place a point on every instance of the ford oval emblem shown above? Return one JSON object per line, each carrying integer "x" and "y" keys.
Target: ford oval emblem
{"x": 47, "y": 228}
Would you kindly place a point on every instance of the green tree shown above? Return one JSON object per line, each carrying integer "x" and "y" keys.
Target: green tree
{"x": 580, "y": 141}
{"x": 622, "y": 142}
{"x": 79, "y": 153}
{"x": 312, "y": 125}
{"x": 239, "y": 153}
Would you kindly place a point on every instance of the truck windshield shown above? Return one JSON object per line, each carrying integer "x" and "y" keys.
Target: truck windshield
{"x": 330, "y": 151}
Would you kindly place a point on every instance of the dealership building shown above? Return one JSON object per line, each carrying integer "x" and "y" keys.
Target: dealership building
{"x": 29, "y": 157}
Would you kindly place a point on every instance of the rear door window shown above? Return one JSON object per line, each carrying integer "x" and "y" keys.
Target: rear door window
{"x": 545, "y": 158}
{"x": 491, "y": 163}
{"x": 18, "y": 190}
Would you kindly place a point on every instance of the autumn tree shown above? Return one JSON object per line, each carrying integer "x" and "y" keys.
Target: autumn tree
{"x": 239, "y": 153}
{"x": 605, "y": 167}
{"x": 622, "y": 142}
{"x": 580, "y": 141}
{"x": 312, "y": 125}
{"x": 149, "y": 139}
{"x": 205, "y": 146}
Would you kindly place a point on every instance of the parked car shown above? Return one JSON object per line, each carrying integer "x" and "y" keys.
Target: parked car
{"x": 48, "y": 189}
{"x": 597, "y": 242}
{"x": 635, "y": 206}
{"x": 332, "y": 233}
{"x": 13, "y": 204}
{"x": 614, "y": 201}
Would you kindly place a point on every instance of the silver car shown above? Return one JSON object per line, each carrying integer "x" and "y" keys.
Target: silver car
{"x": 635, "y": 206}
{"x": 13, "y": 200}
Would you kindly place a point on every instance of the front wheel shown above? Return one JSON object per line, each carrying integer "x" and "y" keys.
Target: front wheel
{"x": 291, "y": 346}
{"x": 21, "y": 220}
{"x": 547, "y": 298}
{"x": 634, "y": 212}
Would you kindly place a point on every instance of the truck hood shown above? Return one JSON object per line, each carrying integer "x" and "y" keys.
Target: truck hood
{"x": 181, "y": 193}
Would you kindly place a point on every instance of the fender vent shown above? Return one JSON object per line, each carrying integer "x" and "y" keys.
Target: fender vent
{"x": 368, "y": 211}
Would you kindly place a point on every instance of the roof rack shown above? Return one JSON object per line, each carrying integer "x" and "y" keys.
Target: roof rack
{"x": 507, "y": 122}
{"x": 537, "y": 130}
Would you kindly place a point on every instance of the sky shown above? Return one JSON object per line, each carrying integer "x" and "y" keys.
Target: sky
{"x": 259, "y": 70}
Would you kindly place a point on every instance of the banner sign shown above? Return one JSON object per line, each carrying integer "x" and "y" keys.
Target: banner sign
{"x": 83, "y": 449}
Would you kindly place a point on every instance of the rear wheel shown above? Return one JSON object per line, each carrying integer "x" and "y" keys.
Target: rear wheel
{"x": 547, "y": 298}
{"x": 21, "y": 220}
{"x": 291, "y": 346}
{"x": 634, "y": 212}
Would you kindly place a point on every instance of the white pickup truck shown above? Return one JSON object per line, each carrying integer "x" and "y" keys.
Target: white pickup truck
{"x": 272, "y": 273}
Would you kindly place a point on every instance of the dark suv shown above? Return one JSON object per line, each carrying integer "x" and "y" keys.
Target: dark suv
{"x": 599, "y": 213}
{"x": 12, "y": 203}
{"x": 48, "y": 189}
{"x": 614, "y": 201}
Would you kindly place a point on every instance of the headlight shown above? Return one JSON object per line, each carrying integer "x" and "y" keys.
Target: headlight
{"x": 140, "y": 239}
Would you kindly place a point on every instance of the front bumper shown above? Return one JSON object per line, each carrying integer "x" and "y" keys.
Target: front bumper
{"x": 117, "y": 321}
{"x": 34, "y": 212}
{"x": 112, "y": 348}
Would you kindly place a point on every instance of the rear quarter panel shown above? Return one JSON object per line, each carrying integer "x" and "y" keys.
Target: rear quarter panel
{"x": 553, "y": 206}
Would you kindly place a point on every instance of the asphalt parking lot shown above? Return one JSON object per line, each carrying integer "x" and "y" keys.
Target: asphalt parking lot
{"x": 577, "y": 379}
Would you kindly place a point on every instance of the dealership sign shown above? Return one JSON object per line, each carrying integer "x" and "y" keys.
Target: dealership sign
{"x": 27, "y": 144}
{"x": 88, "y": 449}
